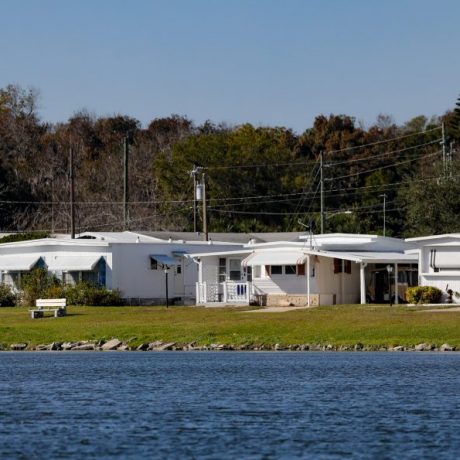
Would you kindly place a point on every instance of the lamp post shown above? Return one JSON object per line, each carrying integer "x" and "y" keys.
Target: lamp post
{"x": 166, "y": 270}
{"x": 389, "y": 270}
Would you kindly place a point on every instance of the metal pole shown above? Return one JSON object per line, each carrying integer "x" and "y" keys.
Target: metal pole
{"x": 443, "y": 142}
{"x": 389, "y": 287}
{"x": 72, "y": 195}
{"x": 205, "y": 217}
{"x": 167, "y": 293}
{"x": 384, "y": 212}
{"x": 125, "y": 184}
{"x": 322, "y": 191}
{"x": 194, "y": 198}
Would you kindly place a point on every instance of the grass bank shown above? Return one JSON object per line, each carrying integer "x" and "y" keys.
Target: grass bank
{"x": 337, "y": 325}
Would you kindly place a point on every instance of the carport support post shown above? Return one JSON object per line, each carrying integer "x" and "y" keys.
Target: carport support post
{"x": 362, "y": 281}
{"x": 166, "y": 286}
{"x": 308, "y": 280}
{"x": 396, "y": 285}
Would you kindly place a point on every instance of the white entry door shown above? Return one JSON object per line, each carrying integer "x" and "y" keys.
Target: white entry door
{"x": 179, "y": 277}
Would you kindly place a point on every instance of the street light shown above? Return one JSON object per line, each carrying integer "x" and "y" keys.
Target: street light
{"x": 390, "y": 270}
{"x": 166, "y": 270}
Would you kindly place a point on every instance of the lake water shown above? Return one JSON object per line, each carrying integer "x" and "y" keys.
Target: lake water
{"x": 220, "y": 405}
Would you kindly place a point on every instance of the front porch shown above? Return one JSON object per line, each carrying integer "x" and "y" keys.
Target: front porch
{"x": 223, "y": 293}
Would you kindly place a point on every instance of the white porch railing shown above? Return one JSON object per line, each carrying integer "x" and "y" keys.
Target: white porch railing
{"x": 228, "y": 292}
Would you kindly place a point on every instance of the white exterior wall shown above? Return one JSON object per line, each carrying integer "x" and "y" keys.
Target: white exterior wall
{"x": 127, "y": 264}
{"x": 343, "y": 287}
{"x": 281, "y": 284}
{"x": 443, "y": 279}
{"x": 134, "y": 277}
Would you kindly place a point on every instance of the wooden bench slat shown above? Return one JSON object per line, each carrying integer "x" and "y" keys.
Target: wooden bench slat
{"x": 51, "y": 302}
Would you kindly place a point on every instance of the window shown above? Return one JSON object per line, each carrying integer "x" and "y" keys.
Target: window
{"x": 153, "y": 264}
{"x": 341, "y": 265}
{"x": 300, "y": 269}
{"x": 222, "y": 270}
{"x": 71, "y": 278}
{"x": 90, "y": 277}
{"x": 276, "y": 269}
{"x": 235, "y": 269}
{"x": 290, "y": 269}
{"x": 337, "y": 265}
{"x": 12, "y": 279}
{"x": 348, "y": 266}
{"x": 248, "y": 272}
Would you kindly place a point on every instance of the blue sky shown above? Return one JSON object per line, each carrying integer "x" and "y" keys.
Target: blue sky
{"x": 267, "y": 62}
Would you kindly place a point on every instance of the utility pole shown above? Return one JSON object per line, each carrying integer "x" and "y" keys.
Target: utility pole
{"x": 205, "y": 216}
{"x": 384, "y": 195}
{"x": 451, "y": 155}
{"x": 322, "y": 190}
{"x": 125, "y": 183}
{"x": 194, "y": 173}
{"x": 72, "y": 195}
{"x": 443, "y": 142}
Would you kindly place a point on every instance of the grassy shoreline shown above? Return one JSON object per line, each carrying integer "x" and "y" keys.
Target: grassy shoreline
{"x": 339, "y": 326}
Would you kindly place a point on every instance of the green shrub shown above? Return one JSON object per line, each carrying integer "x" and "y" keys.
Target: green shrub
{"x": 86, "y": 294}
{"x": 39, "y": 284}
{"x": 424, "y": 294}
{"x": 7, "y": 297}
{"x": 35, "y": 286}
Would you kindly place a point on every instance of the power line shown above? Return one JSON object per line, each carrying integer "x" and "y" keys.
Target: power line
{"x": 382, "y": 154}
{"x": 385, "y": 167}
{"x": 300, "y": 163}
{"x": 384, "y": 141}
{"x": 263, "y": 165}
{"x": 290, "y": 213}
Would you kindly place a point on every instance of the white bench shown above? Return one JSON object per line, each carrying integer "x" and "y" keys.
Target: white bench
{"x": 57, "y": 306}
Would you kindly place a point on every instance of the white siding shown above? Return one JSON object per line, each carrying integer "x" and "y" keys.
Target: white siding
{"x": 281, "y": 284}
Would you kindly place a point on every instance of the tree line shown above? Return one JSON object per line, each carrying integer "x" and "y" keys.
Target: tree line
{"x": 257, "y": 178}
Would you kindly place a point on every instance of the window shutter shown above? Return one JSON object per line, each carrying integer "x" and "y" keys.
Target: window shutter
{"x": 300, "y": 269}
{"x": 337, "y": 265}
{"x": 348, "y": 267}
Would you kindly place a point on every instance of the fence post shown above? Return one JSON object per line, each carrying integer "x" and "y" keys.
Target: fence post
{"x": 225, "y": 292}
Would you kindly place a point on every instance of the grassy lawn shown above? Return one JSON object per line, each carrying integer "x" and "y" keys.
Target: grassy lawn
{"x": 337, "y": 325}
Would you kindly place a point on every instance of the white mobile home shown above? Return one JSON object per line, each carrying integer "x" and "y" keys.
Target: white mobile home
{"x": 439, "y": 263}
{"x": 311, "y": 270}
{"x": 134, "y": 263}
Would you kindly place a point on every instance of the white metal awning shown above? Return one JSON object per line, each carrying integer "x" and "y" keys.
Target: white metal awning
{"x": 18, "y": 262}
{"x": 445, "y": 259}
{"x": 368, "y": 256}
{"x": 164, "y": 259}
{"x": 275, "y": 258}
{"x": 73, "y": 263}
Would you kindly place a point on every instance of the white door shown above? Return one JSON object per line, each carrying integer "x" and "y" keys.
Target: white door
{"x": 179, "y": 277}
